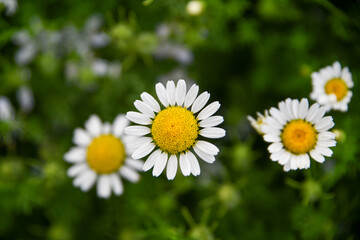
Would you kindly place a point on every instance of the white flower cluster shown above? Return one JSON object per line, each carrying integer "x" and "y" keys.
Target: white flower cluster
{"x": 68, "y": 40}
{"x": 297, "y": 131}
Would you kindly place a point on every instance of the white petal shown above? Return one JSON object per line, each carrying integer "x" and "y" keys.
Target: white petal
{"x": 191, "y": 95}
{"x": 200, "y": 102}
{"x": 171, "y": 167}
{"x": 326, "y": 143}
{"x": 326, "y": 136}
{"x": 295, "y": 108}
{"x": 324, "y": 151}
{"x": 324, "y": 124}
{"x": 307, "y": 161}
{"x": 137, "y": 142}
{"x": 212, "y": 132}
{"x": 77, "y": 169}
{"x": 184, "y": 165}
{"x": 312, "y": 112}
{"x": 204, "y": 156}
{"x": 211, "y": 121}
{"x": 129, "y": 174}
{"x": 288, "y": 103}
{"x": 116, "y": 184}
{"x": 161, "y": 93}
{"x": 209, "y": 110}
{"x": 274, "y": 123}
{"x": 94, "y": 125}
{"x": 89, "y": 180}
{"x": 271, "y": 138}
{"x": 207, "y": 147}
{"x": 150, "y": 161}
{"x": 303, "y": 108}
{"x": 303, "y": 161}
{"x": 284, "y": 158}
{"x": 81, "y": 137}
{"x": 275, "y": 147}
{"x": 337, "y": 68}
{"x": 138, "y": 118}
{"x": 170, "y": 92}
{"x": 287, "y": 166}
{"x": 103, "y": 186}
{"x": 319, "y": 114}
{"x": 276, "y": 156}
{"x": 135, "y": 163}
{"x": 143, "y": 150}
{"x": 180, "y": 92}
{"x": 283, "y": 110}
{"x": 106, "y": 129}
{"x": 137, "y": 130}
{"x": 144, "y": 108}
{"x": 268, "y": 129}
{"x": 194, "y": 164}
{"x": 119, "y": 125}
{"x": 160, "y": 164}
{"x": 75, "y": 155}
{"x": 150, "y": 100}
{"x": 317, "y": 156}
{"x": 278, "y": 115}
{"x": 294, "y": 162}
{"x": 83, "y": 177}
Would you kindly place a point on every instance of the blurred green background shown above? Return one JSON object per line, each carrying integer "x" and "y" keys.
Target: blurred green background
{"x": 61, "y": 61}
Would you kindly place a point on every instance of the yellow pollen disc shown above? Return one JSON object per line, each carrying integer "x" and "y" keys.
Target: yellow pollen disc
{"x": 299, "y": 136}
{"x": 174, "y": 130}
{"x": 105, "y": 154}
{"x": 338, "y": 87}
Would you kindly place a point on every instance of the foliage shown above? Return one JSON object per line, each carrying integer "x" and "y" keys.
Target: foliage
{"x": 84, "y": 57}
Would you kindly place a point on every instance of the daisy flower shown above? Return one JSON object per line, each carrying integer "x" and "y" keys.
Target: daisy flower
{"x": 259, "y": 122}
{"x": 331, "y": 87}
{"x": 174, "y": 133}
{"x": 101, "y": 156}
{"x": 297, "y": 131}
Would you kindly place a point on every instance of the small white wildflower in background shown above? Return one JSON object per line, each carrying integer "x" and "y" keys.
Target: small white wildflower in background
{"x": 25, "y": 98}
{"x": 169, "y": 48}
{"x": 259, "y": 122}
{"x": 101, "y": 155}
{"x": 10, "y": 5}
{"x": 100, "y": 67}
{"x": 297, "y": 131}
{"x": 6, "y": 109}
{"x": 331, "y": 87}
{"x": 195, "y": 8}
{"x": 176, "y": 51}
{"x": 174, "y": 133}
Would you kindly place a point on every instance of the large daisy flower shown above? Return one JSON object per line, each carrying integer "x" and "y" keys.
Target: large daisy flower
{"x": 174, "y": 133}
{"x": 297, "y": 131}
{"x": 259, "y": 122}
{"x": 101, "y": 155}
{"x": 331, "y": 87}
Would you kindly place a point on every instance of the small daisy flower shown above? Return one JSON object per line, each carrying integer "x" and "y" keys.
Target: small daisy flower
{"x": 331, "y": 87}
{"x": 259, "y": 122}
{"x": 297, "y": 131}
{"x": 174, "y": 133}
{"x": 101, "y": 155}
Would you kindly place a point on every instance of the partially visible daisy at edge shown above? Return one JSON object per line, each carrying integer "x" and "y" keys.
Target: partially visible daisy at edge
{"x": 101, "y": 156}
{"x": 331, "y": 87}
{"x": 296, "y": 131}
{"x": 173, "y": 134}
{"x": 259, "y": 122}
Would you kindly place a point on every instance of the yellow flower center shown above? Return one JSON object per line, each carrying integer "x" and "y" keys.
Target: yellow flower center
{"x": 105, "y": 154}
{"x": 299, "y": 136}
{"x": 338, "y": 87}
{"x": 174, "y": 130}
